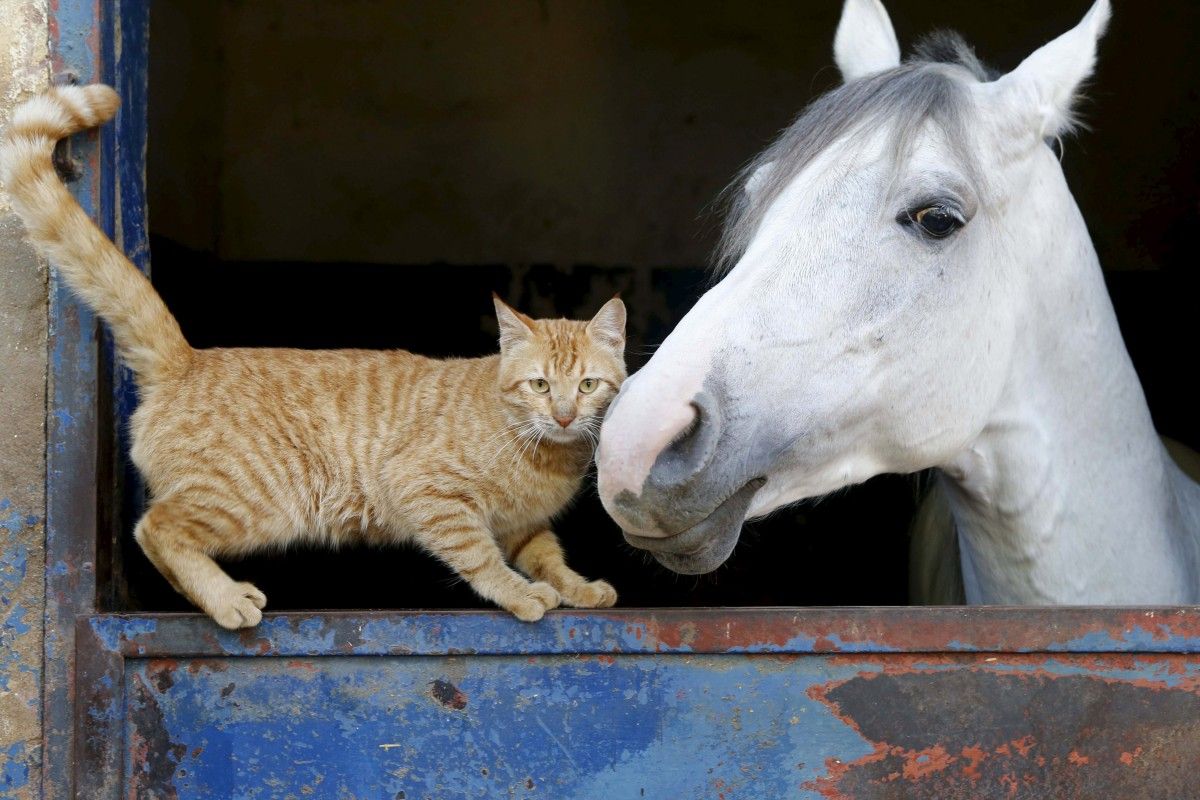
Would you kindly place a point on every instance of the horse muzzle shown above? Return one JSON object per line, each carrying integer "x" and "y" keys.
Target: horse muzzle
{"x": 688, "y": 507}
{"x": 706, "y": 545}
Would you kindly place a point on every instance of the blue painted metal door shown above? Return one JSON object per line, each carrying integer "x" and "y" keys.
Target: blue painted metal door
{"x": 885, "y": 703}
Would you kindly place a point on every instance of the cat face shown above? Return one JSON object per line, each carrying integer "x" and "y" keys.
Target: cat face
{"x": 558, "y": 375}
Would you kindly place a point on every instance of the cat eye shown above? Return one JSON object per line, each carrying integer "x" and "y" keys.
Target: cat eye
{"x": 588, "y": 385}
{"x": 937, "y": 221}
{"x": 540, "y": 385}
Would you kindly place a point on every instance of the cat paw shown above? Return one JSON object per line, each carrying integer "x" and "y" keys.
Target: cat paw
{"x": 592, "y": 594}
{"x": 538, "y": 599}
{"x": 239, "y": 606}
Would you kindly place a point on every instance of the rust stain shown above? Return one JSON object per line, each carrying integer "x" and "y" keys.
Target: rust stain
{"x": 984, "y": 732}
{"x": 161, "y": 672}
{"x": 921, "y": 630}
{"x": 923, "y": 763}
{"x": 448, "y": 694}
{"x": 972, "y": 756}
{"x": 214, "y": 665}
{"x": 154, "y": 756}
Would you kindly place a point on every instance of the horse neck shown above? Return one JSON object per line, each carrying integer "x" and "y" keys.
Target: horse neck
{"x": 1068, "y": 495}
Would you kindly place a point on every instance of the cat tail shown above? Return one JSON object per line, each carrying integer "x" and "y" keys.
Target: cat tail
{"x": 147, "y": 337}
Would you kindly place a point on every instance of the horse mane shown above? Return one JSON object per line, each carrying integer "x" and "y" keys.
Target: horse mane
{"x": 922, "y": 88}
{"x": 949, "y": 47}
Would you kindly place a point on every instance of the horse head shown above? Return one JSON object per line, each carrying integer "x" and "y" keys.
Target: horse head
{"x": 878, "y": 262}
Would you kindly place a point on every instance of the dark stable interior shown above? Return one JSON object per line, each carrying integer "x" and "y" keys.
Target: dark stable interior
{"x": 847, "y": 549}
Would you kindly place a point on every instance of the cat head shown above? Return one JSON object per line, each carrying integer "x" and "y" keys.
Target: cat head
{"x": 559, "y": 375}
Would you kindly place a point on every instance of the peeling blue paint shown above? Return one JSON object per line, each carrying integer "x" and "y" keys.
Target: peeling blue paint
{"x": 15, "y": 623}
{"x": 14, "y": 567}
{"x": 1141, "y": 639}
{"x": 13, "y": 519}
{"x": 14, "y": 775}
{"x": 112, "y": 635}
{"x": 14, "y": 562}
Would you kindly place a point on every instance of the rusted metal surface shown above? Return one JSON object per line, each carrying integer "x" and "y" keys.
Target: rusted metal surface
{"x": 856, "y": 703}
{"x": 90, "y": 41}
{"x": 71, "y": 427}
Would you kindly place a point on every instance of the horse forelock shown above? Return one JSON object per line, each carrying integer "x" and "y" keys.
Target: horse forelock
{"x": 901, "y": 99}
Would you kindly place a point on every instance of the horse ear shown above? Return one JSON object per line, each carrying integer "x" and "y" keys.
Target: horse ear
{"x": 1046, "y": 83}
{"x": 865, "y": 41}
{"x": 514, "y": 326}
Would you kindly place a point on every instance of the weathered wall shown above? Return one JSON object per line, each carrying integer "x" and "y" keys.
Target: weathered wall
{"x": 23, "y": 68}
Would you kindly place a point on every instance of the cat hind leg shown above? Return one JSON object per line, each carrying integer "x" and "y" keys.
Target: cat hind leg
{"x": 177, "y": 540}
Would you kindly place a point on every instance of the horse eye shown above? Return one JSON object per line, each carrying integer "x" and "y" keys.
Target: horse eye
{"x": 539, "y": 385}
{"x": 937, "y": 221}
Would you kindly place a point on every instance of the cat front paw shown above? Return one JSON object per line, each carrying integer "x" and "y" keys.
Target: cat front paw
{"x": 239, "y": 606}
{"x": 534, "y": 603}
{"x": 590, "y": 594}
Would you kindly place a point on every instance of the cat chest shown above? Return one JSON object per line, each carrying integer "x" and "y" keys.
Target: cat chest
{"x": 524, "y": 499}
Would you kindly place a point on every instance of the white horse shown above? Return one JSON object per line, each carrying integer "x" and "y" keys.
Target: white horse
{"x": 913, "y": 287}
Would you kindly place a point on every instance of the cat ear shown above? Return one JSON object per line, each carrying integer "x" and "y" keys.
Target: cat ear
{"x": 608, "y": 326}
{"x": 865, "y": 42}
{"x": 514, "y": 326}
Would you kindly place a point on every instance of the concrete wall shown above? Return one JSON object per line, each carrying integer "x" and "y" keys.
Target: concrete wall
{"x": 24, "y": 67}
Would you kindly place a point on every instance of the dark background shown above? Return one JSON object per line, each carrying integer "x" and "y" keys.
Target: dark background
{"x": 366, "y": 178}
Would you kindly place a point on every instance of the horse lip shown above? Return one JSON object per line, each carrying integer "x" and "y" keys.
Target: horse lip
{"x": 706, "y": 545}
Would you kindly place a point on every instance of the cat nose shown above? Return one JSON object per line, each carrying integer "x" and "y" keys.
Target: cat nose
{"x": 564, "y": 419}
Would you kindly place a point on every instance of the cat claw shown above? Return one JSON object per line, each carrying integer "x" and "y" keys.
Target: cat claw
{"x": 541, "y": 598}
{"x": 592, "y": 594}
{"x": 240, "y": 607}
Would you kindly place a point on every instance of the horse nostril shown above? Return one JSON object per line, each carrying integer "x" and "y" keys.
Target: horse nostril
{"x": 693, "y": 448}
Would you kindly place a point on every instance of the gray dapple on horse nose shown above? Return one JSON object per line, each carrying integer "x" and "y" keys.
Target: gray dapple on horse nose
{"x": 675, "y": 495}
{"x": 689, "y": 508}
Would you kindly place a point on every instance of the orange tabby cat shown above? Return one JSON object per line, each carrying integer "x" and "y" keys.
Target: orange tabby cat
{"x": 247, "y": 449}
